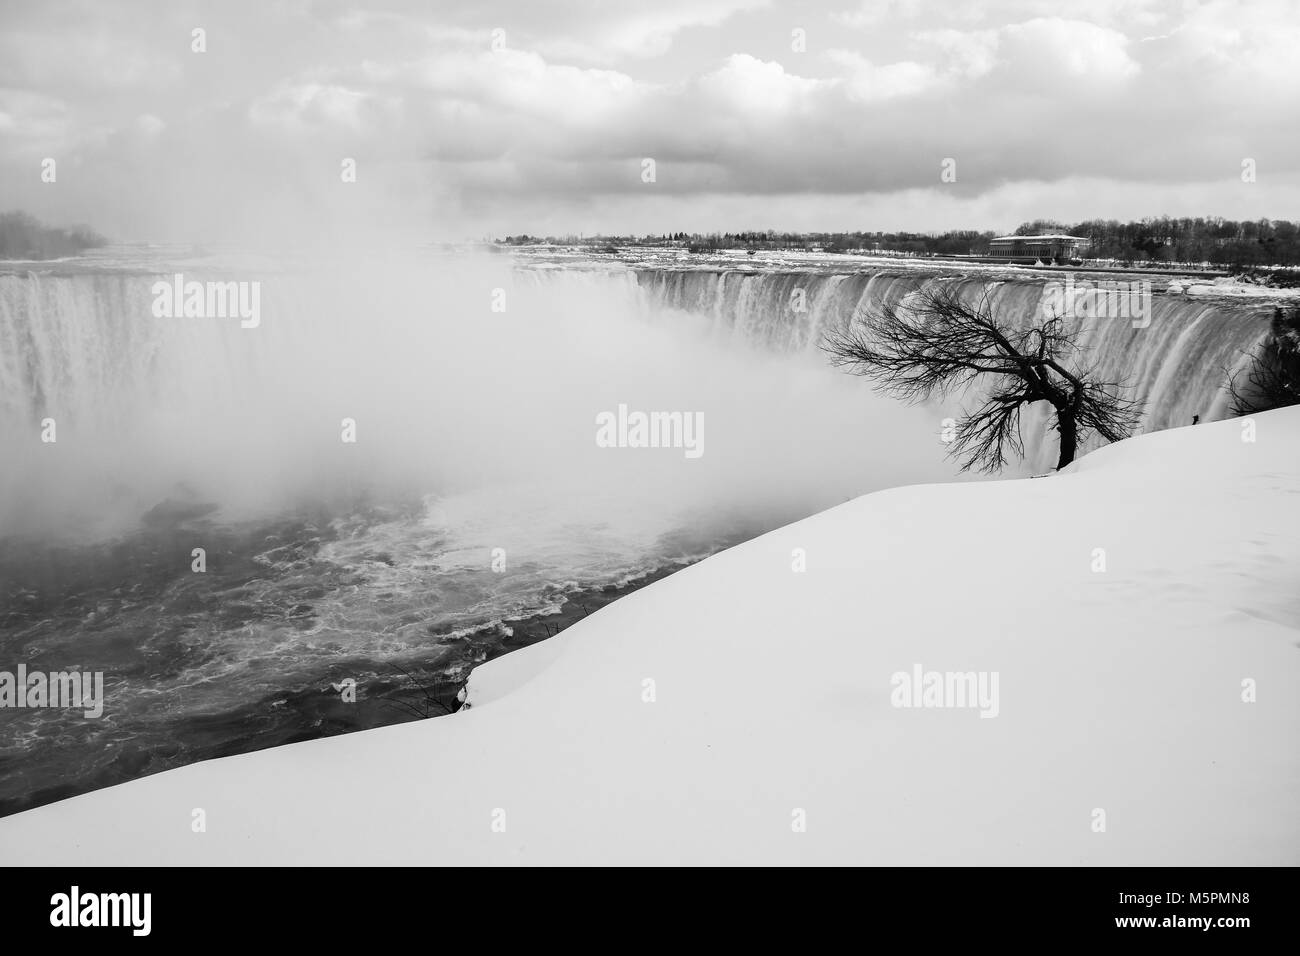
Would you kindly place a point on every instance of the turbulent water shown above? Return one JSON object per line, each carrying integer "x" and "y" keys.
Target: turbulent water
{"x": 474, "y": 501}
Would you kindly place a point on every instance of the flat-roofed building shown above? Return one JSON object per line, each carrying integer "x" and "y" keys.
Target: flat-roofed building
{"x": 1038, "y": 248}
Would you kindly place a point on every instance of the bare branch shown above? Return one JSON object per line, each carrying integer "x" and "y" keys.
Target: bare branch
{"x": 932, "y": 343}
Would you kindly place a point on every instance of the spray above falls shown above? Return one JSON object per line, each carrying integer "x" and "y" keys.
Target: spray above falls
{"x": 1174, "y": 351}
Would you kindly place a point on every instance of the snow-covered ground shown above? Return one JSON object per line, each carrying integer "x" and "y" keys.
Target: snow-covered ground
{"x": 1232, "y": 286}
{"x": 768, "y": 734}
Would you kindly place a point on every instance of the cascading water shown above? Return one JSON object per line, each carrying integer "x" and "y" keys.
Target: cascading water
{"x": 1176, "y": 366}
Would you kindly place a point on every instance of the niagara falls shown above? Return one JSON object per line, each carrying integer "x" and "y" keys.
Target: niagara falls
{"x": 369, "y": 558}
{"x": 682, "y": 435}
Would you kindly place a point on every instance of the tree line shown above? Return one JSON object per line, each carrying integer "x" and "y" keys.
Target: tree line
{"x": 22, "y": 236}
{"x": 1226, "y": 243}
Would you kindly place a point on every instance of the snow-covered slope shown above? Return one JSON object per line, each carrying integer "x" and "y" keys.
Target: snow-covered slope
{"x": 1119, "y": 690}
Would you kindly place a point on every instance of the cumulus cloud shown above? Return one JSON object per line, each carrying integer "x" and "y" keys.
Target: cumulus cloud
{"x": 754, "y": 87}
{"x": 966, "y": 53}
{"x": 867, "y": 82}
{"x": 639, "y": 30}
{"x": 1054, "y": 50}
{"x": 554, "y": 122}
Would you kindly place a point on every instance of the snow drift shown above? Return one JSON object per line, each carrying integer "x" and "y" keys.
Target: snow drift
{"x": 1139, "y": 610}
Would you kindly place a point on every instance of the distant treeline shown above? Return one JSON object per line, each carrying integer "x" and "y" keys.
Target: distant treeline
{"x": 1221, "y": 242}
{"x": 23, "y": 237}
{"x": 1226, "y": 242}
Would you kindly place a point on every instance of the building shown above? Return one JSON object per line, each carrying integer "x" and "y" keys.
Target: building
{"x": 1047, "y": 249}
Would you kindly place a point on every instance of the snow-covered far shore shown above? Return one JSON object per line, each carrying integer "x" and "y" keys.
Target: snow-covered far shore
{"x": 1132, "y": 623}
{"x": 1234, "y": 287}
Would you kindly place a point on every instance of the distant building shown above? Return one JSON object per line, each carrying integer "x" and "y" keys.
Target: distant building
{"x": 1038, "y": 248}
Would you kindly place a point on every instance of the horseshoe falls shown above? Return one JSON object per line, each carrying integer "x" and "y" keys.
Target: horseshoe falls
{"x": 181, "y": 508}
{"x": 1177, "y": 365}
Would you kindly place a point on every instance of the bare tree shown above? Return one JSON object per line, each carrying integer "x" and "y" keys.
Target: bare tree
{"x": 1273, "y": 376}
{"x": 933, "y": 343}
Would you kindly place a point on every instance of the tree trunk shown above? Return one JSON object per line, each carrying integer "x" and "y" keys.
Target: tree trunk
{"x": 1068, "y": 428}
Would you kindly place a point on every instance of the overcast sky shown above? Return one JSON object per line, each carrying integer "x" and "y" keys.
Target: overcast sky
{"x": 1114, "y": 108}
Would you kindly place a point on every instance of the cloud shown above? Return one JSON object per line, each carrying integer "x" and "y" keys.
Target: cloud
{"x": 874, "y": 13}
{"x": 1239, "y": 44}
{"x": 640, "y": 30}
{"x": 149, "y": 126}
{"x": 558, "y": 122}
{"x": 753, "y": 87}
{"x": 970, "y": 54}
{"x": 319, "y": 104}
{"x": 867, "y": 82}
{"x": 74, "y": 61}
{"x": 40, "y": 124}
{"x": 1052, "y": 49}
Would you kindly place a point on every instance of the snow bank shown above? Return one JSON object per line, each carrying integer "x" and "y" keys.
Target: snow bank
{"x": 771, "y": 737}
{"x": 1232, "y": 286}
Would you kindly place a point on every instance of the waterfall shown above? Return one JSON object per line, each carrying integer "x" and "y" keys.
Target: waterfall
{"x": 1176, "y": 365}
{"x": 143, "y": 403}
{"x": 476, "y": 438}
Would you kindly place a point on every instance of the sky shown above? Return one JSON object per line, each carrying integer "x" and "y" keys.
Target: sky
{"x": 475, "y": 118}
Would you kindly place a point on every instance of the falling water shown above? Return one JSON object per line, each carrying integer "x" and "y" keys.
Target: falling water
{"x": 1176, "y": 366}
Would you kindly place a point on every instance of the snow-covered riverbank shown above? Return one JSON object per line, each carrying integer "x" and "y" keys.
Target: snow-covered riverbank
{"x": 1133, "y": 623}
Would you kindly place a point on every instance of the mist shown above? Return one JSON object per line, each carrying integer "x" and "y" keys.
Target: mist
{"x": 443, "y": 395}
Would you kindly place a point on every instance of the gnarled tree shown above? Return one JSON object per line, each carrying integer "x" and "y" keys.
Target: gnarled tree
{"x": 933, "y": 343}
